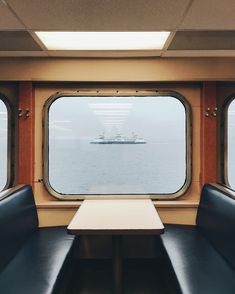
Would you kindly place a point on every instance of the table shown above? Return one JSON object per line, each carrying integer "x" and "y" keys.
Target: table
{"x": 116, "y": 217}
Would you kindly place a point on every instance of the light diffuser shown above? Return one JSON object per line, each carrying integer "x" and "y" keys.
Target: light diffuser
{"x": 103, "y": 40}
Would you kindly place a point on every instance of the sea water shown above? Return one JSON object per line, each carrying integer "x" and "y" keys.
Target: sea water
{"x": 79, "y": 167}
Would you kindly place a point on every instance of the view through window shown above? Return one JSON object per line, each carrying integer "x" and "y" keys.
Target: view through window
{"x": 117, "y": 145}
{"x": 3, "y": 144}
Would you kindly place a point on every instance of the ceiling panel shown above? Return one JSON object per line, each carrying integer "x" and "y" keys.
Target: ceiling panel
{"x": 102, "y": 15}
{"x": 203, "y": 40}
{"x": 17, "y": 41}
{"x": 7, "y": 19}
{"x": 206, "y": 30}
{"x": 211, "y": 15}
{"x": 199, "y": 53}
{"x": 23, "y": 54}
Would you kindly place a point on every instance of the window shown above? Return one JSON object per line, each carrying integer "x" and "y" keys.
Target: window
{"x": 231, "y": 145}
{"x": 120, "y": 145}
{"x": 3, "y": 145}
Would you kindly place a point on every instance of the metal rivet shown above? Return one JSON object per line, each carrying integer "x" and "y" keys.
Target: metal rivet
{"x": 20, "y": 112}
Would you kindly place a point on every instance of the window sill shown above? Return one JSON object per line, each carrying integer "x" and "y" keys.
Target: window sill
{"x": 181, "y": 203}
{"x": 77, "y": 204}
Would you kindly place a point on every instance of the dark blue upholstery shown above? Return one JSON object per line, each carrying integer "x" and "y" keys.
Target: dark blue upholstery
{"x": 32, "y": 260}
{"x": 198, "y": 267}
{"x": 202, "y": 257}
{"x": 38, "y": 265}
{"x": 18, "y": 220}
{"x": 216, "y": 220}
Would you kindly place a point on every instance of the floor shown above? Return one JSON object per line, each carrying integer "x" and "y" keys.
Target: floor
{"x": 139, "y": 277}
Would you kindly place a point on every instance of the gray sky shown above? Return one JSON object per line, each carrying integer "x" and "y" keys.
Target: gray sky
{"x": 149, "y": 117}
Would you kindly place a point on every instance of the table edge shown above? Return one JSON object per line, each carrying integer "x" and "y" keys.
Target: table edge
{"x": 115, "y": 231}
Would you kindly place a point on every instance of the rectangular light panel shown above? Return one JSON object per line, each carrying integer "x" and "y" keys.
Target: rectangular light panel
{"x": 103, "y": 40}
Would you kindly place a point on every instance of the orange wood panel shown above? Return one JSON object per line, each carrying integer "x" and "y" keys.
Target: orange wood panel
{"x": 26, "y": 133}
{"x": 208, "y": 133}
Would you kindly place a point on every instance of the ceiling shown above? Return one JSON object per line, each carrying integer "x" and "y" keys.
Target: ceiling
{"x": 199, "y": 28}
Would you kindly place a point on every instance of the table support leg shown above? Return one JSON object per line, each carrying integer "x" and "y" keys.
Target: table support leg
{"x": 117, "y": 264}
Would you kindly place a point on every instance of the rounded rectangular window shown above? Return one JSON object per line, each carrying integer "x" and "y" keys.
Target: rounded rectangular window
{"x": 3, "y": 145}
{"x": 231, "y": 145}
{"x": 122, "y": 145}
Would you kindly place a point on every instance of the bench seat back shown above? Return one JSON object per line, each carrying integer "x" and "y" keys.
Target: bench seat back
{"x": 18, "y": 220}
{"x": 216, "y": 220}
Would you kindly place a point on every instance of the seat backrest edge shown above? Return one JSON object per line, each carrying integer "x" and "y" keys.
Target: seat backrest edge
{"x": 18, "y": 220}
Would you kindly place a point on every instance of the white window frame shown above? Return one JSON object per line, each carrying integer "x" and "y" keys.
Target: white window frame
{"x": 10, "y": 142}
{"x": 224, "y": 174}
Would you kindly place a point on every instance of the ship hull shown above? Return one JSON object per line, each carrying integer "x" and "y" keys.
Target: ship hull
{"x": 118, "y": 142}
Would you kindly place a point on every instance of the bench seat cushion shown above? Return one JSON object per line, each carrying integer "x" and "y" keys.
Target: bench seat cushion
{"x": 196, "y": 264}
{"x": 216, "y": 219}
{"x": 37, "y": 266}
{"x": 18, "y": 221}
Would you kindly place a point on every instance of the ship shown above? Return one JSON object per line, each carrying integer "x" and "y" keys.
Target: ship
{"x": 118, "y": 139}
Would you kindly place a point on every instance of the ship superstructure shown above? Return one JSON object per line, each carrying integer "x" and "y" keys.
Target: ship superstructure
{"x": 118, "y": 139}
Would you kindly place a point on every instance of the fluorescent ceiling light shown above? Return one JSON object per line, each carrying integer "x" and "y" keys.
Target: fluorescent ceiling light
{"x": 103, "y": 40}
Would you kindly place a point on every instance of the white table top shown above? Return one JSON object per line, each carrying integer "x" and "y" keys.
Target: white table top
{"x": 116, "y": 217}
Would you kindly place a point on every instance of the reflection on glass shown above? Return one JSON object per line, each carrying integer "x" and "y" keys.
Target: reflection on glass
{"x": 3, "y": 145}
{"x": 231, "y": 144}
{"x": 117, "y": 145}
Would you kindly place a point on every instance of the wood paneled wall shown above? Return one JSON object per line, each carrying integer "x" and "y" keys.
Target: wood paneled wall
{"x": 26, "y": 133}
{"x": 208, "y": 133}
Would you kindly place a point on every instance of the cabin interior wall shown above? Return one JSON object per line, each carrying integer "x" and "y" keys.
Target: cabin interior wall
{"x": 26, "y": 133}
{"x": 209, "y": 120}
{"x": 117, "y": 70}
{"x": 50, "y": 76}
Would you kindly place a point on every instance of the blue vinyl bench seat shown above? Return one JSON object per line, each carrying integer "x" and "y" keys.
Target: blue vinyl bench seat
{"x": 202, "y": 257}
{"x": 32, "y": 260}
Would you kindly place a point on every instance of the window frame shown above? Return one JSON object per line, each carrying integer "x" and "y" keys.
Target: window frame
{"x": 10, "y": 142}
{"x": 224, "y": 141}
{"x": 117, "y": 93}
